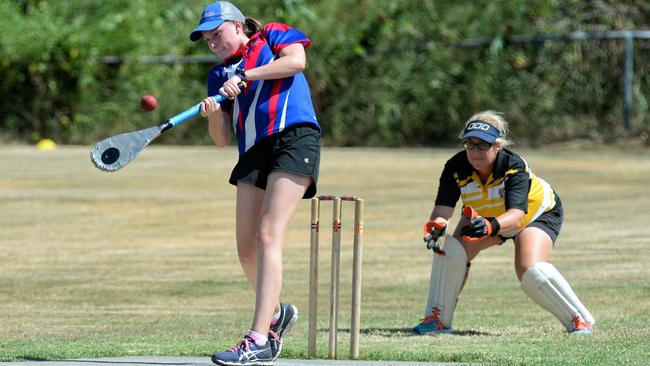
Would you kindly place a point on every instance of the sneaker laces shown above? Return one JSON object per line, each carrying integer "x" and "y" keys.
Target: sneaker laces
{"x": 434, "y": 318}
{"x": 245, "y": 343}
{"x": 578, "y": 324}
{"x": 273, "y": 336}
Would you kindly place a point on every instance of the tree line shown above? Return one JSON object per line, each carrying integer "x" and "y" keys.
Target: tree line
{"x": 383, "y": 73}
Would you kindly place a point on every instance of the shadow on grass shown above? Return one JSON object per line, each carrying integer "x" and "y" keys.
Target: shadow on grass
{"x": 109, "y": 362}
{"x": 408, "y": 332}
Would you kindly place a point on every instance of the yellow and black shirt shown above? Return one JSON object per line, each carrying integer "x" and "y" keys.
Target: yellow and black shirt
{"x": 511, "y": 185}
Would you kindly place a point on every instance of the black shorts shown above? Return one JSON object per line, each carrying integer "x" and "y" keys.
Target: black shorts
{"x": 549, "y": 222}
{"x": 295, "y": 150}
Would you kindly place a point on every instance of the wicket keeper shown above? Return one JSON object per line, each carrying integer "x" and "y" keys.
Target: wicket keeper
{"x": 502, "y": 200}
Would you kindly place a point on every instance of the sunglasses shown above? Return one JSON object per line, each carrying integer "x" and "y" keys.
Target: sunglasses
{"x": 481, "y": 145}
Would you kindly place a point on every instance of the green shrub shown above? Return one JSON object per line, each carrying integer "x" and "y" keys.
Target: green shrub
{"x": 382, "y": 73}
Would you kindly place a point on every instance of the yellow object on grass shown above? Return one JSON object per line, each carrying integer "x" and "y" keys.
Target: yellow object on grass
{"x": 46, "y": 144}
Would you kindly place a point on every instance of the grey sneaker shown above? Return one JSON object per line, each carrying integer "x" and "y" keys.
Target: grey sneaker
{"x": 288, "y": 316}
{"x": 246, "y": 352}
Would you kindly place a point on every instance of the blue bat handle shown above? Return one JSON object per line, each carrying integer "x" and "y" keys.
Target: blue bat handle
{"x": 184, "y": 116}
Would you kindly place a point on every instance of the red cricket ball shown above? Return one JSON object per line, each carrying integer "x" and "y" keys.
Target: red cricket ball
{"x": 148, "y": 103}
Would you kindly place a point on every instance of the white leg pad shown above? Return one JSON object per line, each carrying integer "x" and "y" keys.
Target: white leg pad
{"x": 546, "y": 286}
{"x": 447, "y": 274}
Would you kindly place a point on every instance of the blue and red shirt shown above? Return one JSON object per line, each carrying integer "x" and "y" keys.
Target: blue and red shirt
{"x": 266, "y": 107}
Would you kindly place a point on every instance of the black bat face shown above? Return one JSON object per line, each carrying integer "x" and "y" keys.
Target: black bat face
{"x": 110, "y": 155}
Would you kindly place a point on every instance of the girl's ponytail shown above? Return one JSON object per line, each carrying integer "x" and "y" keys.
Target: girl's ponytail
{"x": 252, "y": 26}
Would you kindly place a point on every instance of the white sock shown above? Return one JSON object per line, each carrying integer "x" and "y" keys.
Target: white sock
{"x": 275, "y": 317}
{"x": 259, "y": 339}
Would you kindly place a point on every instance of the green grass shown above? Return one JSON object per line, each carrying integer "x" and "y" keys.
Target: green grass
{"x": 143, "y": 261}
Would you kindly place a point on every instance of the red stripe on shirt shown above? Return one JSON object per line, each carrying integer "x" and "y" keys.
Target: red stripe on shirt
{"x": 273, "y": 104}
{"x": 250, "y": 58}
{"x": 277, "y": 26}
{"x": 240, "y": 120}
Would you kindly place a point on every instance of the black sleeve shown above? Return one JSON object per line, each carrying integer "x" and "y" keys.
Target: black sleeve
{"x": 448, "y": 191}
{"x": 517, "y": 186}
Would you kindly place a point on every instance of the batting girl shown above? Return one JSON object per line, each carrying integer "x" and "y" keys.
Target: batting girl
{"x": 502, "y": 200}
{"x": 278, "y": 138}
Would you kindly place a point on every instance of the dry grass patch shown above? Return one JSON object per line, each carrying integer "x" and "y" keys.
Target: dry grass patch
{"x": 143, "y": 261}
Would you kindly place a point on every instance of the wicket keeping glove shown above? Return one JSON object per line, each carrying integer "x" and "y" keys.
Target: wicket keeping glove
{"x": 433, "y": 230}
{"x": 479, "y": 226}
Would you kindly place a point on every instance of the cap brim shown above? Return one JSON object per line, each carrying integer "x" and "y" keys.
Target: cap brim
{"x": 480, "y": 135}
{"x": 207, "y": 26}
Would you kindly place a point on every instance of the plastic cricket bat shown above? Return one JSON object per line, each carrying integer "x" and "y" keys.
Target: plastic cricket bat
{"x": 114, "y": 153}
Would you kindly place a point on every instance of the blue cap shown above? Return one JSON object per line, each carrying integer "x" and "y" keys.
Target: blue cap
{"x": 214, "y": 15}
{"x": 481, "y": 130}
